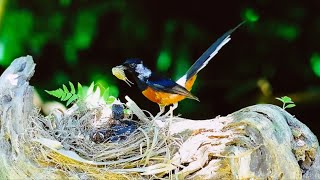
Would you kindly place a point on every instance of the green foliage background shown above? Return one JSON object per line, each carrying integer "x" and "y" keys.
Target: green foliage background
{"x": 276, "y": 53}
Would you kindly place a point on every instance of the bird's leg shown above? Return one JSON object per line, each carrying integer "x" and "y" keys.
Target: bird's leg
{"x": 161, "y": 111}
{"x": 170, "y": 112}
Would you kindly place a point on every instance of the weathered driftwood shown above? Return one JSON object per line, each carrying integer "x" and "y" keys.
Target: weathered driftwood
{"x": 261, "y": 141}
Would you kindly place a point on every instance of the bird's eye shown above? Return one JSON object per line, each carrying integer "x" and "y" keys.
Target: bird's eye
{"x": 132, "y": 65}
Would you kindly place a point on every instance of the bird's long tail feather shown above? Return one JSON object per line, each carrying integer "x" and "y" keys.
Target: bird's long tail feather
{"x": 204, "y": 59}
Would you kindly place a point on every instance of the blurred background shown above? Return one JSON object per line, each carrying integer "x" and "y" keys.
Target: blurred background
{"x": 276, "y": 53}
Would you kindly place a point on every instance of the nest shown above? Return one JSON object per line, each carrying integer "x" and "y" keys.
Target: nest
{"x": 64, "y": 143}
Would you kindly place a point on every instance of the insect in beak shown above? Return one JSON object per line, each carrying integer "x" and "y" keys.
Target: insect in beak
{"x": 118, "y": 71}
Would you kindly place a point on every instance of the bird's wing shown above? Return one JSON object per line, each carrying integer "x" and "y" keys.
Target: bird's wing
{"x": 168, "y": 86}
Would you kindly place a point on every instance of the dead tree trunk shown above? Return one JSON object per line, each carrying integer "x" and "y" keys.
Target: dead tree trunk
{"x": 260, "y": 141}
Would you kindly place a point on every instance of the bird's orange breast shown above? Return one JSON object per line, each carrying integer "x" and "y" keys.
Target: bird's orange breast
{"x": 163, "y": 98}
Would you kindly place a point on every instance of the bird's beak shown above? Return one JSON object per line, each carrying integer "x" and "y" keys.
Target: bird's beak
{"x": 122, "y": 67}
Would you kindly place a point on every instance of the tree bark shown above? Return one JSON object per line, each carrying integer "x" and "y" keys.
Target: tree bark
{"x": 261, "y": 141}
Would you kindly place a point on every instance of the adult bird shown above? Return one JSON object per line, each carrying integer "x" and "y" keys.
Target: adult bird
{"x": 165, "y": 91}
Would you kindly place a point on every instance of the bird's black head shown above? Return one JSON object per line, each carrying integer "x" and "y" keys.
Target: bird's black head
{"x": 138, "y": 70}
{"x": 131, "y": 64}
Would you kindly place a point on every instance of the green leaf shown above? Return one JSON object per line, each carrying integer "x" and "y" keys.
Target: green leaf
{"x": 65, "y": 89}
{"x": 127, "y": 111}
{"x": 73, "y": 90}
{"x": 68, "y": 96}
{"x": 96, "y": 94}
{"x": 290, "y": 106}
{"x": 286, "y": 99}
{"x": 63, "y": 95}
{"x": 105, "y": 94}
{"x": 90, "y": 90}
{"x": 110, "y": 100}
{"x": 80, "y": 91}
{"x": 60, "y": 92}
{"x": 73, "y": 98}
{"x": 98, "y": 91}
{"x": 56, "y": 93}
{"x": 52, "y": 93}
{"x": 288, "y": 102}
{"x": 280, "y": 99}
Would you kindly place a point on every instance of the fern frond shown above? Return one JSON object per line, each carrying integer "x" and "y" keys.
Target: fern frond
{"x": 73, "y": 90}
{"x": 56, "y": 93}
{"x": 72, "y": 99}
{"x": 64, "y": 94}
{"x": 71, "y": 95}
{"x": 80, "y": 91}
